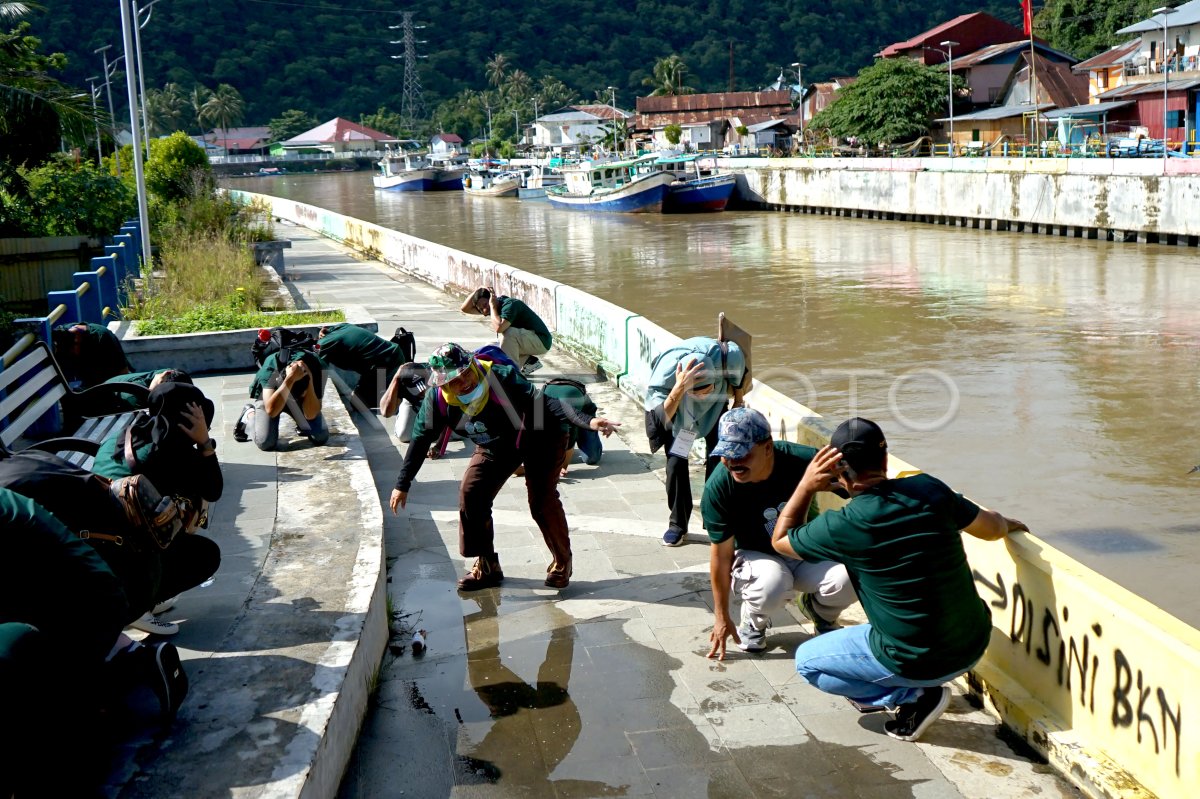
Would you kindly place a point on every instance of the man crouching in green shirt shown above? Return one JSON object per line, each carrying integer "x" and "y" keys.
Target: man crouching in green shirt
{"x": 900, "y": 541}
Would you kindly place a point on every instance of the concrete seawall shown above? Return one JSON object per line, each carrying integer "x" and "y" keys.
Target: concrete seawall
{"x": 1143, "y": 200}
{"x": 1095, "y": 678}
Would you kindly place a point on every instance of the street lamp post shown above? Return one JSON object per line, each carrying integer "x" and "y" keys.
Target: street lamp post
{"x": 798, "y": 66}
{"x": 517, "y": 123}
{"x": 613, "y": 89}
{"x": 949, "y": 45}
{"x": 535, "y": 119}
{"x": 1165, "y": 10}
{"x": 108, "y": 73}
{"x": 127, "y": 25}
{"x": 137, "y": 47}
{"x": 96, "y": 121}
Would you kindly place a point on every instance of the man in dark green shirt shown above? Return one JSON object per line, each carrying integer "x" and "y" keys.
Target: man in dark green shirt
{"x": 900, "y": 540}
{"x": 353, "y": 349}
{"x": 741, "y": 502}
{"x": 523, "y": 334}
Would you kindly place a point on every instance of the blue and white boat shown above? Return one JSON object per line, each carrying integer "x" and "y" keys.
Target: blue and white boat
{"x": 537, "y": 179}
{"x": 404, "y": 171}
{"x": 611, "y": 187}
{"x": 491, "y": 179}
{"x": 698, "y": 184}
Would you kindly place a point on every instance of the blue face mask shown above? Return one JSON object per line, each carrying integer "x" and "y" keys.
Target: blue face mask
{"x": 472, "y": 395}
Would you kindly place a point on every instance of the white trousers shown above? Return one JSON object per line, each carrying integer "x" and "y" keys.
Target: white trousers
{"x": 766, "y": 583}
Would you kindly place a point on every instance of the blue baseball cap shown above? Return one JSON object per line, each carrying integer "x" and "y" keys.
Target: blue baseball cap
{"x": 740, "y": 429}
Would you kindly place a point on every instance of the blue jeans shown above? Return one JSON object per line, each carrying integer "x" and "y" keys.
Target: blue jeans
{"x": 841, "y": 663}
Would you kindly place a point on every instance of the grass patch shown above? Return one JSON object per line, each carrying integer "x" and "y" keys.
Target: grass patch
{"x": 207, "y": 318}
{"x": 205, "y": 283}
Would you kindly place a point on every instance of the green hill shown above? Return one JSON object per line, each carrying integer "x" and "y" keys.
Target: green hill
{"x": 332, "y": 59}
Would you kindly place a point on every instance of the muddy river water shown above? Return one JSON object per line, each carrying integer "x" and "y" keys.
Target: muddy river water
{"x": 1052, "y": 379}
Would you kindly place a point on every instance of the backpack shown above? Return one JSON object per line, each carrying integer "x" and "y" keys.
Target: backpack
{"x": 407, "y": 343}
{"x": 159, "y": 518}
{"x": 282, "y": 340}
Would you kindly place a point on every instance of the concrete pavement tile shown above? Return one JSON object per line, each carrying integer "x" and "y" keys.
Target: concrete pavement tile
{"x": 850, "y": 729}
{"x": 653, "y": 562}
{"x": 614, "y": 631}
{"x": 721, "y": 684}
{"x": 805, "y": 700}
{"x": 589, "y": 736}
{"x": 576, "y": 778}
{"x": 688, "y": 639}
{"x": 627, "y": 685}
{"x": 715, "y": 780}
{"x": 617, "y": 658}
{"x": 757, "y": 723}
{"x": 686, "y": 610}
{"x": 682, "y": 748}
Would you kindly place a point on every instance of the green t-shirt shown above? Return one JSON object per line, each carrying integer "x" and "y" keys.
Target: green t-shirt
{"x": 270, "y": 375}
{"x": 518, "y": 314}
{"x": 349, "y": 347}
{"x": 901, "y": 542}
{"x": 747, "y": 511}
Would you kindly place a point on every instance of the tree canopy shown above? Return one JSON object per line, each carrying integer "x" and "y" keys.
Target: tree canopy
{"x": 1087, "y": 27}
{"x": 892, "y": 101}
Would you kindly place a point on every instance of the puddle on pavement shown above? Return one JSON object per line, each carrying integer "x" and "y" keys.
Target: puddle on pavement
{"x": 551, "y": 712}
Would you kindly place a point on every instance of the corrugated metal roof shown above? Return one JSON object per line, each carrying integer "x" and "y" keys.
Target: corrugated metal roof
{"x": 1087, "y": 109}
{"x": 713, "y": 101}
{"x": 1152, "y": 87}
{"x": 898, "y": 47}
{"x": 999, "y": 112}
{"x": 985, "y": 54}
{"x": 1110, "y": 57}
{"x": 1186, "y": 14}
{"x": 338, "y": 129}
{"x": 603, "y": 111}
{"x": 770, "y": 123}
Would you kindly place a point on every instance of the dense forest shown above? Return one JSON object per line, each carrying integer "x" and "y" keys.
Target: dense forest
{"x": 340, "y": 59}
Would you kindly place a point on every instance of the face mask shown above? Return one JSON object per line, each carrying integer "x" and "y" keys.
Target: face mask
{"x": 472, "y": 395}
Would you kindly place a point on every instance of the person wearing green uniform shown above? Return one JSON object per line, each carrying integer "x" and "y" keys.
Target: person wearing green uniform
{"x": 741, "y": 502}
{"x": 900, "y": 541}
{"x": 88, "y": 353}
{"x": 295, "y": 388}
{"x": 353, "y": 349}
{"x": 151, "y": 380}
{"x": 523, "y": 334}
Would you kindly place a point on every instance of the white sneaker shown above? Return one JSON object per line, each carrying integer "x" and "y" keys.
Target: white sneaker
{"x": 165, "y": 605}
{"x": 149, "y": 623}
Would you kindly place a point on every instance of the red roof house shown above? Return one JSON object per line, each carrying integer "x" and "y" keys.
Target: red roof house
{"x": 340, "y": 136}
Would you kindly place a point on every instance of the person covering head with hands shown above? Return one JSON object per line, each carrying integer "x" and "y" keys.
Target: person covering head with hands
{"x": 690, "y": 387}
{"x": 900, "y": 540}
{"x": 523, "y": 334}
{"x": 512, "y": 424}
{"x": 294, "y": 387}
{"x": 742, "y": 499}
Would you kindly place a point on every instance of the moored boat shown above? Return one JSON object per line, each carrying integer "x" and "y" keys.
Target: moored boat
{"x": 612, "y": 187}
{"x": 536, "y": 180}
{"x": 698, "y": 184}
{"x": 404, "y": 171}
{"x": 486, "y": 180}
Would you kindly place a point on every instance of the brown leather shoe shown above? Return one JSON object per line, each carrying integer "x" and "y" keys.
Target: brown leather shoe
{"x": 557, "y": 576}
{"x": 485, "y": 573}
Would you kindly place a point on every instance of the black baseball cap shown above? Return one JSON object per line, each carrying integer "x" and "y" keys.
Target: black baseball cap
{"x": 861, "y": 443}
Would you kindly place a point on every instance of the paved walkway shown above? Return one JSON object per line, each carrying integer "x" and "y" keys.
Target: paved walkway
{"x": 601, "y": 689}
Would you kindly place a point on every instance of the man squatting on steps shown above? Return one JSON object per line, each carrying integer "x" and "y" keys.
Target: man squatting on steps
{"x": 506, "y": 417}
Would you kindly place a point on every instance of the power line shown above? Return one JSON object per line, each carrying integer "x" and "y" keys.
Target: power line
{"x": 335, "y": 9}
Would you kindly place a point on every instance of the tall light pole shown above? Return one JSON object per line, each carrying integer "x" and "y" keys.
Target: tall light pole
{"x": 949, "y": 45}
{"x": 108, "y": 73}
{"x": 517, "y": 122}
{"x": 127, "y": 25}
{"x": 798, "y": 66}
{"x": 613, "y": 89}
{"x": 96, "y": 120}
{"x": 535, "y": 119}
{"x": 1165, "y": 10}
{"x": 137, "y": 47}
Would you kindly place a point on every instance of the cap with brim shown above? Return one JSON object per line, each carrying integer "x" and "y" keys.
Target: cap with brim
{"x": 447, "y": 363}
{"x": 740, "y": 429}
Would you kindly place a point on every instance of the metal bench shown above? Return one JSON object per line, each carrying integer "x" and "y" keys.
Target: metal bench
{"x": 34, "y": 391}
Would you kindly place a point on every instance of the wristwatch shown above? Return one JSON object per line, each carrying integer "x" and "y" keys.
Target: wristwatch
{"x": 208, "y": 447}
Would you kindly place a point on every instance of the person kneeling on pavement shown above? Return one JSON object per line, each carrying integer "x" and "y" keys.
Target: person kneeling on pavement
{"x": 511, "y": 425}
{"x": 741, "y": 503}
{"x": 901, "y": 542}
{"x": 296, "y": 388}
{"x": 523, "y": 334}
{"x": 690, "y": 386}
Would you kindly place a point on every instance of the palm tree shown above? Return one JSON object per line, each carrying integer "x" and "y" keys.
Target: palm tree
{"x": 166, "y": 108}
{"x": 517, "y": 87}
{"x": 224, "y": 109}
{"x": 497, "y": 67}
{"x": 668, "y": 77}
{"x": 199, "y": 95}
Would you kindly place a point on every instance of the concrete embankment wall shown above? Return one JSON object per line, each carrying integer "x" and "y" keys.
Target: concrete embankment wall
{"x": 1144, "y": 200}
{"x": 1100, "y": 681}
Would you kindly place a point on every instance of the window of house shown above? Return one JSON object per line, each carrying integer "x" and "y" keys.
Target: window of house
{"x": 1102, "y": 79}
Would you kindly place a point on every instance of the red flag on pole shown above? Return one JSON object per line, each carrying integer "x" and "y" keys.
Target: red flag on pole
{"x": 1027, "y": 16}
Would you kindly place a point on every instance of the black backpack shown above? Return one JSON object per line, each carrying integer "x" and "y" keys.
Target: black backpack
{"x": 280, "y": 339}
{"x": 407, "y": 343}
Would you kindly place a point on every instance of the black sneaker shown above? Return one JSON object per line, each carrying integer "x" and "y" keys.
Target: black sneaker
{"x": 532, "y": 364}
{"x": 167, "y": 677}
{"x": 914, "y": 718}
